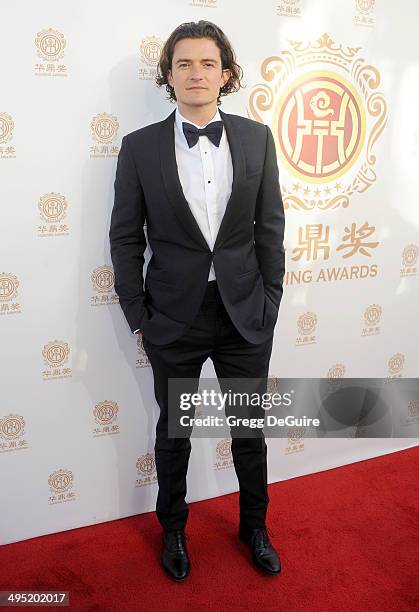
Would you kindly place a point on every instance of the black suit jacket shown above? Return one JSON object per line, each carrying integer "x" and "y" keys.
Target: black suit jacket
{"x": 248, "y": 255}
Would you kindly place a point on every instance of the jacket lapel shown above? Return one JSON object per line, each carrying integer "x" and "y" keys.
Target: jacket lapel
{"x": 173, "y": 185}
{"x": 239, "y": 178}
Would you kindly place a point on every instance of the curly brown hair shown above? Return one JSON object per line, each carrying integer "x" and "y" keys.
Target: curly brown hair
{"x": 200, "y": 29}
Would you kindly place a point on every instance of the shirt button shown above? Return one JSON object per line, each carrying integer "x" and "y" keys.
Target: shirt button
{"x": 209, "y": 181}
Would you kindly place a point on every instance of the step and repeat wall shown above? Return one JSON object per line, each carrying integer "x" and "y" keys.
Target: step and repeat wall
{"x": 338, "y": 83}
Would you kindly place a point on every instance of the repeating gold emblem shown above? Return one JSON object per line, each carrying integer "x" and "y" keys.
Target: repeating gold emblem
{"x": 396, "y": 363}
{"x": 306, "y": 323}
{"x": 105, "y": 412}
{"x": 336, "y": 371}
{"x": 150, "y": 50}
{"x": 104, "y": 128}
{"x": 8, "y": 292}
{"x": 61, "y": 481}
{"x": 56, "y": 353}
{"x": 50, "y": 44}
{"x": 12, "y": 427}
{"x": 146, "y": 469}
{"x": 103, "y": 279}
{"x": 365, "y": 6}
{"x": 223, "y": 448}
{"x": 296, "y": 434}
{"x": 224, "y": 457}
{"x": 295, "y": 443}
{"x": 8, "y": 286}
{"x": 410, "y": 255}
{"x": 6, "y": 127}
{"x": 52, "y": 207}
{"x": 146, "y": 464}
{"x": 372, "y": 314}
{"x": 326, "y": 114}
{"x": 61, "y": 485}
{"x": 12, "y": 430}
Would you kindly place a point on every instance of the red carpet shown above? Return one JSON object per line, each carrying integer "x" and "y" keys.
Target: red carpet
{"x": 347, "y": 539}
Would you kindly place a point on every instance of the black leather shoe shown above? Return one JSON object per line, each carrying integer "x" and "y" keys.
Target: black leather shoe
{"x": 263, "y": 553}
{"x": 175, "y": 557}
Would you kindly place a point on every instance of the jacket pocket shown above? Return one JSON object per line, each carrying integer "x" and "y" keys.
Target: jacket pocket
{"x": 248, "y": 272}
{"x": 152, "y": 276}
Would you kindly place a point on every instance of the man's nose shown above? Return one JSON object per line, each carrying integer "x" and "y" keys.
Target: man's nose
{"x": 196, "y": 74}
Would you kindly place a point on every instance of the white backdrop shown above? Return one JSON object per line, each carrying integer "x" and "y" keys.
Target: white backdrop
{"x": 338, "y": 82}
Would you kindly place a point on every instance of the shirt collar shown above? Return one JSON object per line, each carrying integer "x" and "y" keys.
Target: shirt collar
{"x": 180, "y": 118}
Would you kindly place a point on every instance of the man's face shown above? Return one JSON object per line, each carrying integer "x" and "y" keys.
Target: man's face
{"x": 197, "y": 74}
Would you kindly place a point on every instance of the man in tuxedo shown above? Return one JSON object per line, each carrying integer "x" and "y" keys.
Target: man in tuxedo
{"x": 205, "y": 182}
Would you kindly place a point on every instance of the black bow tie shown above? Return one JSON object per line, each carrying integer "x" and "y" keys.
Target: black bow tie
{"x": 213, "y": 130}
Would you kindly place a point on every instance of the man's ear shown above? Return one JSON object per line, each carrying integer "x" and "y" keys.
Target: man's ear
{"x": 169, "y": 77}
{"x": 226, "y": 75}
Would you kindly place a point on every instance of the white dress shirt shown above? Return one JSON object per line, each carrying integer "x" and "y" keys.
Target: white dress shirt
{"x": 206, "y": 175}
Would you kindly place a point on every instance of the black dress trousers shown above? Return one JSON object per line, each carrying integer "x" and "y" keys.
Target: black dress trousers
{"x": 213, "y": 335}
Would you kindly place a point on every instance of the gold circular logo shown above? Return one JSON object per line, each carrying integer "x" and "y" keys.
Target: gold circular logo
{"x": 319, "y": 125}
{"x": 372, "y": 314}
{"x": 322, "y": 102}
{"x": 223, "y": 448}
{"x": 365, "y": 6}
{"x": 410, "y": 255}
{"x": 104, "y": 128}
{"x": 50, "y": 44}
{"x": 6, "y": 127}
{"x": 12, "y": 426}
{"x": 146, "y": 464}
{"x": 8, "y": 286}
{"x": 150, "y": 49}
{"x": 105, "y": 412}
{"x": 56, "y": 353}
{"x": 336, "y": 371}
{"x": 396, "y": 363}
{"x": 61, "y": 480}
{"x": 52, "y": 207}
{"x": 103, "y": 279}
{"x": 306, "y": 323}
{"x": 295, "y": 434}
